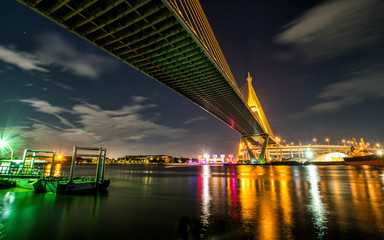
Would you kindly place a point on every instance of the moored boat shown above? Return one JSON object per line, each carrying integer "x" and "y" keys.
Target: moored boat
{"x": 78, "y": 186}
{"x": 372, "y": 159}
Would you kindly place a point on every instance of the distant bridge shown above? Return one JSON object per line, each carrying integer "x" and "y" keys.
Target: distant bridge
{"x": 172, "y": 42}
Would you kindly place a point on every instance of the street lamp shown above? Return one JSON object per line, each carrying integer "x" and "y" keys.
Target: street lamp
{"x": 327, "y": 140}
{"x": 3, "y": 144}
{"x": 343, "y": 142}
{"x": 314, "y": 140}
{"x": 378, "y": 145}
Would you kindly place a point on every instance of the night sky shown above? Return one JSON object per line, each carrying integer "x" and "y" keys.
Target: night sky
{"x": 317, "y": 68}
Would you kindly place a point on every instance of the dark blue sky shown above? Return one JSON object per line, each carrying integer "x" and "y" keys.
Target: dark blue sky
{"x": 317, "y": 67}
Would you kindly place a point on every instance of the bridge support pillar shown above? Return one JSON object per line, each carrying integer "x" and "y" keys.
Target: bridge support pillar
{"x": 264, "y": 149}
{"x": 261, "y": 157}
{"x": 251, "y": 155}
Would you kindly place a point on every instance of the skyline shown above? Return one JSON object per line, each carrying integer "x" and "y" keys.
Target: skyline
{"x": 67, "y": 92}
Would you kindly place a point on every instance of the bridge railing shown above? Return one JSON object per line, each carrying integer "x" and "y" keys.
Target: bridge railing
{"x": 22, "y": 171}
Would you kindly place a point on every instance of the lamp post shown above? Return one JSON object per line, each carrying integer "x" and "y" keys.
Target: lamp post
{"x": 314, "y": 140}
{"x": 327, "y": 140}
{"x": 3, "y": 144}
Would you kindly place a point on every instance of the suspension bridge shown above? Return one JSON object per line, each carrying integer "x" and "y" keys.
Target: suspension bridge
{"x": 172, "y": 42}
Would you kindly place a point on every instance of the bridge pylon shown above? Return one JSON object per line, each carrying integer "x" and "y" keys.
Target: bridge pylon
{"x": 265, "y": 137}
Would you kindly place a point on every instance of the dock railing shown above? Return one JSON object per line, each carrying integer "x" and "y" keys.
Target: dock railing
{"x": 98, "y": 152}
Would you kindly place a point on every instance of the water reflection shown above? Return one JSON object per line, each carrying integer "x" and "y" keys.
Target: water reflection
{"x": 234, "y": 202}
{"x": 205, "y": 195}
{"x": 25, "y": 215}
{"x": 316, "y": 207}
{"x": 284, "y": 202}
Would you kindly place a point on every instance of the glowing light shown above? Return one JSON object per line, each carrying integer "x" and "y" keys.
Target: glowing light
{"x": 230, "y": 157}
{"x": 199, "y": 157}
{"x": 309, "y": 153}
{"x": 4, "y": 143}
{"x": 335, "y": 156}
{"x": 379, "y": 153}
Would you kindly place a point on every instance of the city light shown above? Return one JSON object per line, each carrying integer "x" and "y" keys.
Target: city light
{"x": 4, "y": 143}
{"x": 309, "y": 153}
{"x": 314, "y": 140}
{"x": 379, "y": 153}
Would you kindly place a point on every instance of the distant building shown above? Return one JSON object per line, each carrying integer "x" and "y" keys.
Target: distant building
{"x": 147, "y": 158}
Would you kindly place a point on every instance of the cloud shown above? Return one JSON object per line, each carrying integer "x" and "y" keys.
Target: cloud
{"x": 139, "y": 99}
{"x": 28, "y": 84}
{"x": 64, "y": 86}
{"x": 196, "y": 119}
{"x": 335, "y": 27}
{"x": 22, "y": 60}
{"x": 362, "y": 86}
{"x": 53, "y": 49}
{"x": 357, "y": 87}
{"x": 43, "y": 106}
{"x": 119, "y": 129}
{"x": 64, "y": 121}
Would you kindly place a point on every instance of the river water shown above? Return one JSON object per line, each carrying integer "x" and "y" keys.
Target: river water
{"x": 207, "y": 202}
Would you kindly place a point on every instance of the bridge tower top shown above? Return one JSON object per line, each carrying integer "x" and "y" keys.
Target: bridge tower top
{"x": 249, "y": 78}
{"x": 254, "y": 104}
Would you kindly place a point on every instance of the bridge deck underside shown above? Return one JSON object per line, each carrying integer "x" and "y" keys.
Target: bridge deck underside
{"x": 150, "y": 36}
